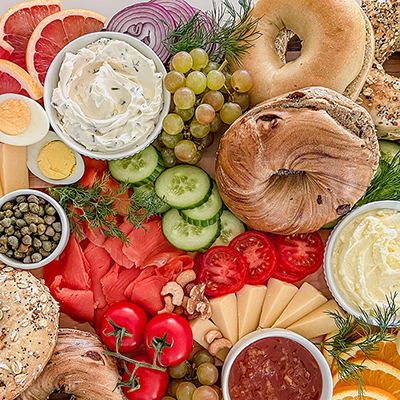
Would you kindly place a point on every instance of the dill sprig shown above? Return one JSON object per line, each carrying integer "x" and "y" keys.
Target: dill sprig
{"x": 351, "y": 329}
{"x": 99, "y": 207}
{"x": 230, "y": 33}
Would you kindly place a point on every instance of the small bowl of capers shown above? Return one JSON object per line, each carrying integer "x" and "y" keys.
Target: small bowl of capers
{"x": 34, "y": 229}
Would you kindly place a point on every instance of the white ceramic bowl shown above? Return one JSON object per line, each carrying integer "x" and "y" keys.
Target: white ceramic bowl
{"x": 64, "y": 233}
{"x": 347, "y": 305}
{"x": 327, "y": 383}
{"x": 51, "y": 83}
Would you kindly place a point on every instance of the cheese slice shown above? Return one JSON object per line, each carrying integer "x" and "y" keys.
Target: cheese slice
{"x": 318, "y": 322}
{"x": 14, "y": 173}
{"x": 249, "y": 302}
{"x": 307, "y": 299}
{"x": 224, "y": 314}
{"x": 1, "y": 190}
{"x": 277, "y": 298}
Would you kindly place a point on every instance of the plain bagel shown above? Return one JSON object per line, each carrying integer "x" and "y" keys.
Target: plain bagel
{"x": 337, "y": 47}
{"x": 296, "y": 162}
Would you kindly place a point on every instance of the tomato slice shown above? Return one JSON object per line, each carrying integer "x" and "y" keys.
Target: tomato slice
{"x": 300, "y": 254}
{"x": 259, "y": 253}
{"x": 286, "y": 276}
{"x": 224, "y": 270}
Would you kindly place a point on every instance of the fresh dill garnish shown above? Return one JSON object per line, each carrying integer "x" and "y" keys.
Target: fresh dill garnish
{"x": 229, "y": 32}
{"x": 357, "y": 333}
{"x": 99, "y": 207}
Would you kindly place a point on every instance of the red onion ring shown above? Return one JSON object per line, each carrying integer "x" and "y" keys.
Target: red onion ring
{"x": 179, "y": 10}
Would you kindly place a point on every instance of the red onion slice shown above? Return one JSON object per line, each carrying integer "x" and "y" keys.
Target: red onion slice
{"x": 179, "y": 10}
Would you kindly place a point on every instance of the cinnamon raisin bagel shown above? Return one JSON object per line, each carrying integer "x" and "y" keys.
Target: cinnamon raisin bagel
{"x": 296, "y": 162}
{"x": 337, "y": 47}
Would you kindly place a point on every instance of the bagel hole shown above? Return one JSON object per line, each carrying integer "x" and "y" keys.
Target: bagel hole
{"x": 61, "y": 396}
{"x": 391, "y": 65}
{"x": 293, "y": 49}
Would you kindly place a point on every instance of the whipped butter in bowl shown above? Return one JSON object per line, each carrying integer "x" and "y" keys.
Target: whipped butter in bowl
{"x": 362, "y": 258}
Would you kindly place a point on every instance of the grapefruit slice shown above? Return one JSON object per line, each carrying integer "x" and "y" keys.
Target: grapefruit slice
{"x": 5, "y": 49}
{"x": 53, "y": 33}
{"x": 19, "y": 21}
{"x": 14, "y": 79}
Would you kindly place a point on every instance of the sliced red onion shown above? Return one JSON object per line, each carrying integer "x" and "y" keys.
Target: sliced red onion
{"x": 144, "y": 22}
{"x": 180, "y": 10}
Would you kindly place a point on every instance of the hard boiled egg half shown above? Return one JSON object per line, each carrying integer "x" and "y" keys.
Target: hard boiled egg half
{"x": 23, "y": 121}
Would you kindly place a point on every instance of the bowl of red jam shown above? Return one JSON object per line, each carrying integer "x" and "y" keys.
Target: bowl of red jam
{"x": 276, "y": 364}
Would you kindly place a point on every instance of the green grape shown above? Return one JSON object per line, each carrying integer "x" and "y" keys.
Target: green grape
{"x": 173, "y": 124}
{"x": 185, "y": 150}
{"x": 200, "y": 59}
{"x": 185, "y": 391}
{"x": 206, "y": 141}
{"x": 173, "y": 386}
{"x": 229, "y": 112}
{"x": 214, "y": 99}
{"x": 227, "y": 88}
{"x": 241, "y": 81}
{"x": 205, "y": 393}
{"x": 242, "y": 99}
{"x": 182, "y": 62}
{"x": 196, "y": 81}
{"x": 169, "y": 159}
{"x": 174, "y": 80}
{"x": 207, "y": 374}
{"x": 168, "y": 398}
{"x": 215, "y": 80}
{"x": 184, "y": 98}
{"x": 211, "y": 66}
{"x": 185, "y": 114}
{"x": 198, "y": 130}
{"x": 216, "y": 123}
{"x": 205, "y": 114}
{"x": 218, "y": 391}
{"x": 203, "y": 356}
{"x": 170, "y": 141}
{"x": 197, "y": 157}
{"x": 178, "y": 371}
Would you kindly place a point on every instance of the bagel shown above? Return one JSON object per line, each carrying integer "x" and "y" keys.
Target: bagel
{"x": 337, "y": 47}
{"x": 381, "y": 91}
{"x": 296, "y": 162}
{"x": 28, "y": 330}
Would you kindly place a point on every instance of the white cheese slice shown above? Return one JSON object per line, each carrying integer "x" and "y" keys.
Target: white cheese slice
{"x": 318, "y": 322}
{"x": 277, "y": 298}
{"x": 307, "y": 299}
{"x": 250, "y": 300}
{"x": 224, "y": 315}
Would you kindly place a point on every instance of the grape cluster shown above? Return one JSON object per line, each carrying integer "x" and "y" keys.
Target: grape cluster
{"x": 205, "y": 97}
{"x": 194, "y": 381}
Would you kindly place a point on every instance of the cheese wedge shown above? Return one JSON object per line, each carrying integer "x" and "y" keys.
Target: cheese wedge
{"x": 249, "y": 302}
{"x": 318, "y": 322}
{"x": 14, "y": 173}
{"x": 224, "y": 314}
{"x": 277, "y": 298}
{"x": 307, "y": 299}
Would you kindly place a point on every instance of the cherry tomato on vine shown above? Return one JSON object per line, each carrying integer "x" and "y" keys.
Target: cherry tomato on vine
{"x": 171, "y": 336}
{"x": 259, "y": 253}
{"x": 124, "y": 322}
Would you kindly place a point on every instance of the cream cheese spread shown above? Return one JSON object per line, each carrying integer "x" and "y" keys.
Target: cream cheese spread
{"x": 366, "y": 259}
{"x": 109, "y": 96}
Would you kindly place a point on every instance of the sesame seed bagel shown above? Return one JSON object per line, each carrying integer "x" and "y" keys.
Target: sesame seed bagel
{"x": 337, "y": 47}
{"x": 28, "y": 330}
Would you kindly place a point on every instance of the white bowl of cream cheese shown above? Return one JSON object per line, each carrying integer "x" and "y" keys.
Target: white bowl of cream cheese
{"x": 104, "y": 95}
{"x": 362, "y": 258}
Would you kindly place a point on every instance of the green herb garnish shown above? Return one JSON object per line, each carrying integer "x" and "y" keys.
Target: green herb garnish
{"x": 231, "y": 32}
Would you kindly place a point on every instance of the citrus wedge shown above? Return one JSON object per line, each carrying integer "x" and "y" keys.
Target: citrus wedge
{"x": 14, "y": 79}
{"x": 370, "y": 393}
{"x": 53, "y": 33}
{"x": 19, "y": 21}
{"x": 377, "y": 373}
{"x": 5, "y": 49}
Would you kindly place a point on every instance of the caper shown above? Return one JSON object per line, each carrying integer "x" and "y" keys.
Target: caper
{"x": 44, "y": 253}
{"x": 13, "y": 220}
{"x": 27, "y": 240}
{"x": 23, "y": 248}
{"x": 30, "y": 251}
{"x": 20, "y": 223}
{"x": 2, "y": 215}
{"x": 36, "y": 243}
{"x": 43, "y": 237}
{"x": 17, "y": 234}
{"x": 24, "y": 207}
{"x": 9, "y": 231}
{"x": 49, "y": 219}
{"x": 53, "y": 246}
{"x": 1, "y": 228}
{"x": 57, "y": 237}
{"x": 10, "y": 253}
{"x": 50, "y": 210}
{"x": 3, "y": 239}
{"x": 32, "y": 218}
{"x": 46, "y": 245}
{"x": 7, "y": 206}
{"x": 33, "y": 199}
{"x": 3, "y": 249}
{"x": 13, "y": 242}
{"x": 6, "y": 222}
{"x": 36, "y": 257}
{"x": 18, "y": 213}
{"x": 42, "y": 200}
{"x": 27, "y": 260}
{"x": 20, "y": 199}
{"x": 50, "y": 231}
{"x": 25, "y": 231}
{"x": 41, "y": 229}
{"x": 57, "y": 226}
{"x": 41, "y": 211}
{"x": 34, "y": 208}
{"x": 33, "y": 228}
{"x": 9, "y": 213}
{"x": 17, "y": 254}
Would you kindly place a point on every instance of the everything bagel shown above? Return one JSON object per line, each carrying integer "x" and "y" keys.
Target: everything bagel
{"x": 337, "y": 47}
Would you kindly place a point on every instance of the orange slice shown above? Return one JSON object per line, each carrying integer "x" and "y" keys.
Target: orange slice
{"x": 19, "y": 21}
{"x": 377, "y": 373}
{"x": 53, "y": 33}
{"x": 14, "y": 79}
{"x": 370, "y": 393}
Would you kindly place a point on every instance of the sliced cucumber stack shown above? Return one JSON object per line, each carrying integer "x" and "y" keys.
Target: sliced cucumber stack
{"x": 206, "y": 214}
{"x": 138, "y": 169}
{"x": 231, "y": 227}
{"x": 186, "y": 236}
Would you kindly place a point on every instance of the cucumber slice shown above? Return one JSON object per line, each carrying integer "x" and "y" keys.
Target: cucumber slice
{"x": 388, "y": 150}
{"x": 148, "y": 188}
{"x": 185, "y": 236}
{"x": 184, "y": 186}
{"x": 138, "y": 169}
{"x": 231, "y": 226}
{"x": 206, "y": 214}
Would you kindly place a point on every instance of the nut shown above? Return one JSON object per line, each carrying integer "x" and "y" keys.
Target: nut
{"x": 185, "y": 277}
{"x": 212, "y": 335}
{"x": 169, "y": 307}
{"x": 179, "y": 310}
{"x": 199, "y": 302}
{"x": 175, "y": 290}
{"x": 219, "y": 344}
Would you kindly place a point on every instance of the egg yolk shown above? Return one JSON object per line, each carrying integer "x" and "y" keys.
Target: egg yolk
{"x": 15, "y": 117}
